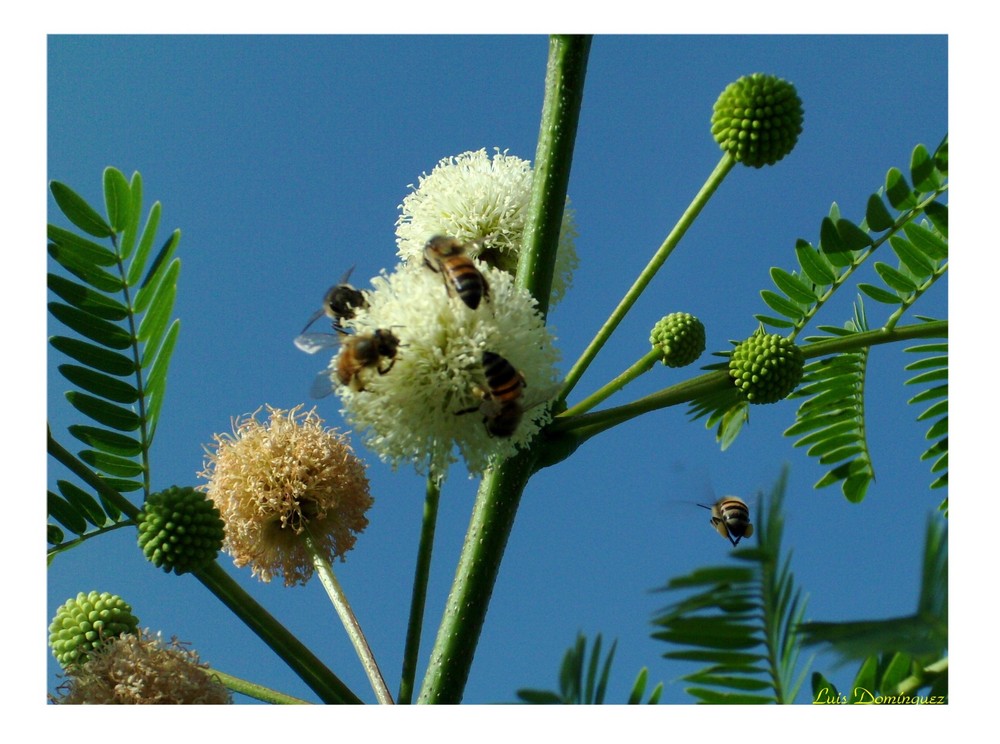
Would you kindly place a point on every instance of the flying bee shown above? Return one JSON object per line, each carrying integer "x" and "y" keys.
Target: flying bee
{"x": 447, "y": 256}
{"x": 731, "y": 518}
{"x": 366, "y": 351}
{"x": 340, "y": 303}
{"x": 502, "y": 408}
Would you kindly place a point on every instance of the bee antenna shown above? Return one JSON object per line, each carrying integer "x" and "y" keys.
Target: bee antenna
{"x": 703, "y": 506}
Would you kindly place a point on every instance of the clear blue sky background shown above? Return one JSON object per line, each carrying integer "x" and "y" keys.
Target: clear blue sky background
{"x": 283, "y": 160}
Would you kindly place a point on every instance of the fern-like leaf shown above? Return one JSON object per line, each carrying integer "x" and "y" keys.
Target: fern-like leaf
{"x": 831, "y": 421}
{"x": 932, "y": 372}
{"x": 924, "y": 634}
{"x": 122, "y": 336}
{"x": 844, "y": 246}
{"x": 575, "y": 688}
{"x": 741, "y": 620}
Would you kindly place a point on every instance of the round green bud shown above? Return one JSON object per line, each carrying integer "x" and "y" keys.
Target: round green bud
{"x": 757, "y": 119}
{"x": 766, "y": 367}
{"x": 180, "y": 530}
{"x": 680, "y": 339}
{"x": 85, "y": 622}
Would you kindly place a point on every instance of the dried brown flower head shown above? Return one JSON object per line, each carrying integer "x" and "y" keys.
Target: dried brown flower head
{"x": 272, "y": 481}
{"x": 142, "y": 670}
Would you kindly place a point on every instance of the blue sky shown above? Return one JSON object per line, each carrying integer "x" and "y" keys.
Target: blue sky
{"x": 283, "y": 159}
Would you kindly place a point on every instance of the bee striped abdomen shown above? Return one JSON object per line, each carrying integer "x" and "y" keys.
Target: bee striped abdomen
{"x": 447, "y": 257}
{"x": 731, "y": 518}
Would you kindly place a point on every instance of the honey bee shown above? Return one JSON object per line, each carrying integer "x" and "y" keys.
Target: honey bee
{"x": 366, "y": 351}
{"x": 502, "y": 408}
{"x": 731, "y": 518}
{"x": 340, "y": 303}
{"x": 446, "y": 256}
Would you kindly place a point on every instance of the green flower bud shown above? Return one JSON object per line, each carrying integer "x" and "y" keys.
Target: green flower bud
{"x": 84, "y": 623}
{"x": 180, "y": 530}
{"x": 680, "y": 339}
{"x": 766, "y": 367}
{"x": 757, "y": 119}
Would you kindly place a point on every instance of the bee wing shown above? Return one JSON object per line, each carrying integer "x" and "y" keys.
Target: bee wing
{"x": 322, "y": 385}
{"x": 345, "y": 277}
{"x": 310, "y": 343}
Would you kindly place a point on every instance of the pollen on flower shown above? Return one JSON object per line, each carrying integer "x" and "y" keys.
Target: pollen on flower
{"x": 273, "y": 481}
{"x": 483, "y": 202}
{"x": 436, "y": 396}
{"x": 140, "y": 669}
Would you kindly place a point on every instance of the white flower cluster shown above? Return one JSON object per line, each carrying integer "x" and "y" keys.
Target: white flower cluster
{"x": 415, "y": 407}
{"x": 483, "y": 202}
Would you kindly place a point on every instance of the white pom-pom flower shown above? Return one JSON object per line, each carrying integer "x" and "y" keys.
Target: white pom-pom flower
{"x": 432, "y": 396}
{"x": 484, "y": 203}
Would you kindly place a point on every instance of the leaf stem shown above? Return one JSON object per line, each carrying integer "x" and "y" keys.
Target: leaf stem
{"x": 645, "y": 277}
{"x": 339, "y": 600}
{"x": 642, "y": 366}
{"x": 252, "y": 689}
{"x": 590, "y": 424}
{"x": 420, "y": 579}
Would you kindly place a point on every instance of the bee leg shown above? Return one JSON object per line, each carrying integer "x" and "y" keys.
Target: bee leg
{"x": 382, "y": 371}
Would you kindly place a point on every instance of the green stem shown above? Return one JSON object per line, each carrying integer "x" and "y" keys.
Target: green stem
{"x": 500, "y": 492}
{"x": 251, "y": 689}
{"x": 465, "y": 611}
{"x": 303, "y": 662}
{"x": 564, "y": 78}
{"x": 639, "y": 368}
{"x": 590, "y": 424}
{"x": 339, "y": 600}
{"x": 420, "y": 579}
{"x": 686, "y": 220}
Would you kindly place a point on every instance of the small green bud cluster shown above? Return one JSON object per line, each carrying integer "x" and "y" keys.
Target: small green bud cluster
{"x": 680, "y": 339}
{"x": 766, "y": 367}
{"x": 757, "y": 119}
{"x": 180, "y": 530}
{"x": 82, "y": 624}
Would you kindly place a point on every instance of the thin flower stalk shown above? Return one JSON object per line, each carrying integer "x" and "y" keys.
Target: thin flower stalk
{"x": 419, "y": 596}
{"x": 640, "y": 367}
{"x": 725, "y": 165}
{"x": 339, "y": 600}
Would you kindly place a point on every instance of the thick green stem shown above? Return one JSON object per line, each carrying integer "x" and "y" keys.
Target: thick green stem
{"x": 339, "y": 600}
{"x": 303, "y": 662}
{"x": 465, "y": 612}
{"x": 500, "y": 492}
{"x": 420, "y": 578}
{"x": 686, "y": 220}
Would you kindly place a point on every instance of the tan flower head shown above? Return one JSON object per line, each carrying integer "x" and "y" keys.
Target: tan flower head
{"x": 140, "y": 669}
{"x": 272, "y": 481}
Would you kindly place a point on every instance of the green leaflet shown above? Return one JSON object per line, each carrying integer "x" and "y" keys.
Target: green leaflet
{"x": 94, "y": 356}
{"x": 91, "y": 326}
{"x": 79, "y": 212}
{"x": 117, "y": 199}
{"x": 84, "y": 504}
{"x": 100, "y": 384}
{"x": 87, "y": 299}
